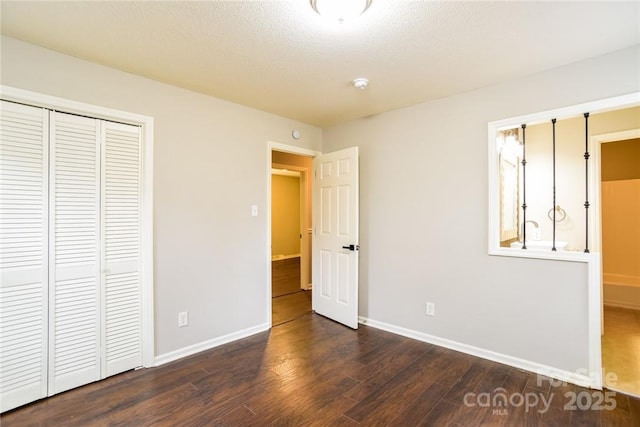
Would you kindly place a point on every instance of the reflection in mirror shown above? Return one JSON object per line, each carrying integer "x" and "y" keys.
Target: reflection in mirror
{"x": 510, "y": 152}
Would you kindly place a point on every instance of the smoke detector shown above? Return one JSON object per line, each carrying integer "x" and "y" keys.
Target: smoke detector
{"x": 361, "y": 83}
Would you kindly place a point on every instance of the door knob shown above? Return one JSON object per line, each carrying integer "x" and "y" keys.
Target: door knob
{"x": 352, "y": 247}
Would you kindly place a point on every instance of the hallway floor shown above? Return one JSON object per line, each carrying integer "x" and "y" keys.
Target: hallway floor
{"x": 621, "y": 349}
{"x": 289, "y": 301}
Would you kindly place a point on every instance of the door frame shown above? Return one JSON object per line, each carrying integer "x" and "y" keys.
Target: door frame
{"x": 292, "y": 149}
{"x": 595, "y": 194}
{"x": 595, "y": 148}
{"x": 145, "y": 123}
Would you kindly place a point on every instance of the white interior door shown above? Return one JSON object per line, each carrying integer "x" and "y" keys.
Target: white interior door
{"x": 335, "y": 242}
{"x": 24, "y": 220}
{"x": 74, "y": 252}
{"x": 121, "y": 253}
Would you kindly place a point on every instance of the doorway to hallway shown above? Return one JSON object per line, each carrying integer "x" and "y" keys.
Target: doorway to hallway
{"x": 291, "y": 216}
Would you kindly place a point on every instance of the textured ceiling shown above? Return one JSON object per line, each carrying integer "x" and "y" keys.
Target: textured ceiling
{"x": 281, "y": 57}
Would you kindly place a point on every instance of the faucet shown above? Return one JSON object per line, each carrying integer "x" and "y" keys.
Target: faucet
{"x": 523, "y": 227}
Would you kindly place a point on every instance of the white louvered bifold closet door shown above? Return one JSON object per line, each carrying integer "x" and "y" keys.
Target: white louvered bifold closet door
{"x": 74, "y": 252}
{"x": 121, "y": 254}
{"x": 23, "y": 249}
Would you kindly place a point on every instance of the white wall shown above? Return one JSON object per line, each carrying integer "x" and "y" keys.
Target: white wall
{"x": 423, "y": 204}
{"x": 210, "y": 164}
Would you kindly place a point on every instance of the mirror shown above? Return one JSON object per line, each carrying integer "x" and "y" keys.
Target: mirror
{"x": 510, "y": 149}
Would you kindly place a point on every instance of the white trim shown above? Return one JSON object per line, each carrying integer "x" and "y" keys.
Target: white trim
{"x": 626, "y": 280}
{"x": 622, "y": 304}
{"x": 300, "y": 169}
{"x": 146, "y": 123}
{"x": 148, "y": 318}
{"x": 594, "y": 319}
{"x": 285, "y": 172}
{"x": 597, "y": 106}
{"x": 595, "y": 192}
{"x": 283, "y": 257}
{"x": 595, "y": 195}
{"x": 572, "y": 256}
{"x": 209, "y": 344}
{"x": 292, "y": 149}
{"x": 527, "y": 365}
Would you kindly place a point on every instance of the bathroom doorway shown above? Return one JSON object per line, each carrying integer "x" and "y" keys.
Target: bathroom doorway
{"x": 620, "y": 248}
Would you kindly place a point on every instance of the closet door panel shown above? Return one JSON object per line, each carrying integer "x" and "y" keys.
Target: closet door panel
{"x": 121, "y": 199}
{"x": 74, "y": 293}
{"x": 23, "y": 247}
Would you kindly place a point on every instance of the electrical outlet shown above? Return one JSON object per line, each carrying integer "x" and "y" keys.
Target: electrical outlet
{"x": 183, "y": 319}
{"x": 431, "y": 309}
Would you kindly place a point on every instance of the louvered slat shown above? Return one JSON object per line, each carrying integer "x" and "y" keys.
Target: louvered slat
{"x": 23, "y": 261}
{"x": 121, "y": 197}
{"x": 75, "y": 353}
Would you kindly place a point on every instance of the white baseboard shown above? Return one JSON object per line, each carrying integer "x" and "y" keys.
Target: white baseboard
{"x": 623, "y": 296}
{"x": 281, "y": 257}
{"x": 622, "y": 304}
{"x": 583, "y": 380}
{"x": 621, "y": 280}
{"x": 209, "y": 344}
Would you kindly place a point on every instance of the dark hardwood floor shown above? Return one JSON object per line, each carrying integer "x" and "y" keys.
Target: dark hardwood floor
{"x": 289, "y": 302}
{"x": 289, "y": 307}
{"x": 312, "y": 371}
{"x": 285, "y": 277}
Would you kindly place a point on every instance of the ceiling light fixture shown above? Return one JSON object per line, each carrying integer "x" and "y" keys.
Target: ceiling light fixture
{"x": 340, "y": 10}
{"x": 361, "y": 83}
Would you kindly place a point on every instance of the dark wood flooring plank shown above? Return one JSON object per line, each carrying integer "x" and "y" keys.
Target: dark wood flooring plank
{"x": 556, "y": 417}
{"x": 285, "y": 276}
{"x": 413, "y": 414}
{"x": 441, "y": 415}
{"x": 449, "y": 367}
{"x": 301, "y": 403}
{"x": 391, "y": 361}
{"x": 289, "y": 307}
{"x": 150, "y": 410}
{"x": 239, "y": 417}
{"x": 399, "y": 392}
{"x": 559, "y": 395}
{"x": 588, "y": 418}
{"x": 516, "y": 381}
{"x": 483, "y": 377}
{"x": 342, "y": 421}
{"x": 206, "y": 408}
{"x": 634, "y": 410}
{"x": 332, "y": 413}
